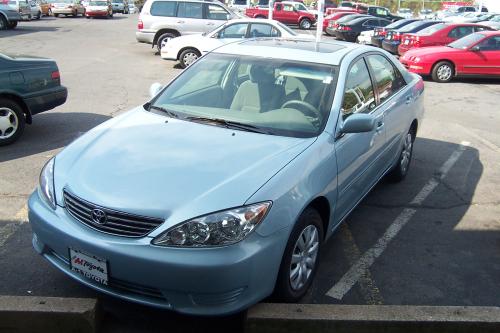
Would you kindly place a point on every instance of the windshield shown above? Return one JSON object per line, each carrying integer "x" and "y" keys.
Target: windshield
{"x": 98, "y": 3}
{"x": 286, "y": 28}
{"x": 432, "y": 29}
{"x": 467, "y": 41}
{"x": 272, "y": 96}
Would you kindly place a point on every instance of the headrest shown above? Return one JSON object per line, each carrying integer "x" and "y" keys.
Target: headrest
{"x": 261, "y": 73}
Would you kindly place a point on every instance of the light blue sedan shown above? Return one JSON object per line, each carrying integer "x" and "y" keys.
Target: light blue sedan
{"x": 223, "y": 188}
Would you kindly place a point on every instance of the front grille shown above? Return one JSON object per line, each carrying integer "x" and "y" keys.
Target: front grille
{"x": 116, "y": 223}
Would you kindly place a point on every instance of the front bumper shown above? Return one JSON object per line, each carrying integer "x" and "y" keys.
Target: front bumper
{"x": 391, "y": 46}
{"x": 210, "y": 281}
{"x": 97, "y": 13}
{"x": 47, "y": 100}
{"x": 65, "y": 11}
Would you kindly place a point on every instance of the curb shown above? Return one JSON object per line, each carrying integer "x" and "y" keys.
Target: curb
{"x": 323, "y": 318}
{"x": 48, "y": 314}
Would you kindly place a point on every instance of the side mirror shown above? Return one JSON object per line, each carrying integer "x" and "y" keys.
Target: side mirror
{"x": 475, "y": 49}
{"x": 155, "y": 89}
{"x": 358, "y": 123}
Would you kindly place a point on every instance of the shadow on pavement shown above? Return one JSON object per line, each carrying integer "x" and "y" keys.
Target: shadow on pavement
{"x": 23, "y": 30}
{"x": 49, "y": 131}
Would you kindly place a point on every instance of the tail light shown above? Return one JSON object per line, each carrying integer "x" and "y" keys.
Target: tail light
{"x": 140, "y": 25}
{"x": 397, "y": 36}
{"x": 345, "y": 28}
{"x": 417, "y": 42}
{"x": 55, "y": 75}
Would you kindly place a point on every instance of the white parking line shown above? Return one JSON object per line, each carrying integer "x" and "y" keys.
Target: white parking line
{"x": 340, "y": 289}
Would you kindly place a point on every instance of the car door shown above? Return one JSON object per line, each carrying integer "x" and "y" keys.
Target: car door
{"x": 484, "y": 57}
{"x": 458, "y": 33}
{"x": 394, "y": 99}
{"x": 290, "y": 14}
{"x": 190, "y": 18}
{"x": 215, "y": 16}
{"x": 358, "y": 154}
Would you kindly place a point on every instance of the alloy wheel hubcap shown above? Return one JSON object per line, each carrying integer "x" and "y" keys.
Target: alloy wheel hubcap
{"x": 189, "y": 58}
{"x": 306, "y": 25}
{"x": 8, "y": 123}
{"x": 304, "y": 257}
{"x": 444, "y": 72}
{"x": 406, "y": 153}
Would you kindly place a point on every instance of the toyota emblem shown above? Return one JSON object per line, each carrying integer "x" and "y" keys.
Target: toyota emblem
{"x": 99, "y": 216}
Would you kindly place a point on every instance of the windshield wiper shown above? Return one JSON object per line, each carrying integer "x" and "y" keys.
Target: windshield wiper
{"x": 230, "y": 124}
{"x": 171, "y": 114}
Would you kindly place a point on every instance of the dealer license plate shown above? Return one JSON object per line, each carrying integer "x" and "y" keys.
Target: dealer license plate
{"x": 89, "y": 266}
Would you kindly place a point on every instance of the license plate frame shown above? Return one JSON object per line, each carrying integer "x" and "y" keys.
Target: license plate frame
{"x": 89, "y": 266}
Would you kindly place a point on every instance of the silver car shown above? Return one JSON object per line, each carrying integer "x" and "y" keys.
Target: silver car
{"x": 161, "y": 20}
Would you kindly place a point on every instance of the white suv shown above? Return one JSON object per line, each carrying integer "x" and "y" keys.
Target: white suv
{"x": 161, "y": 20}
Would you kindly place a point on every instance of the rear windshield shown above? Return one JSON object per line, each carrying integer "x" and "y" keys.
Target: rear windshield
{"x": 432, "y": 29}
{"x": 411, "y": 26}
{"x": 398, "y": 24}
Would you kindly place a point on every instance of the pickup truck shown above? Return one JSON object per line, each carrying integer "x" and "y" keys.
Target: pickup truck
{"x": 382, "y": 12}
{"x": 8, "y": 16}
{"x": 285, "y": 13}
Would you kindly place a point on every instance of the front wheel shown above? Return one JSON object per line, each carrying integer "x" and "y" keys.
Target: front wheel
{"x": 12, "y": 121}
{"x": 163, "y": 39}
{"x": 305, "y": 24}
{"x": 188, "y": 56}
{"x": 301, "y": 257}
{"x": 443, "y": 72}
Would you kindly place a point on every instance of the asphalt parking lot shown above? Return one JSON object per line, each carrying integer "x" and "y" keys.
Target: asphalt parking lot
{"x": 433, "y": 239}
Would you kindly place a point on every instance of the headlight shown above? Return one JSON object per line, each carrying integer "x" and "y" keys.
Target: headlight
{"x": 417, "y": 59}
{"x": 216, "y": 229}
{"x": 46, "y": 186}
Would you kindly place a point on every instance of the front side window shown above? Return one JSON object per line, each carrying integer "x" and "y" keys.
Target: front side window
{"x": 388, "y": 79}
{"x": 272, "y": 96}
{"x": 163, "y": 8}
{"x": 288, "y": 8}
{"x": 215, "y": 12}
{"x": 238, "y": 30}
{"x": 263, "y": 30}
{"x": 490, "y": 44}
{"x": 359, "y": 96}
{"x": 467, "y": 41}
{"x": 190, "y": 10}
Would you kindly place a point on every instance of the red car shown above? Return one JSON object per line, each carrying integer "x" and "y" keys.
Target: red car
{"x": 334, "y": 17}
{"x": 438, "y": 34}
{"x": 477, "y": 54}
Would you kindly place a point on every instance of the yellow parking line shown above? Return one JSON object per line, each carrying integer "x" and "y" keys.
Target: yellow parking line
{"x": 22, "y": 215}
{"x": 367, "y": 286}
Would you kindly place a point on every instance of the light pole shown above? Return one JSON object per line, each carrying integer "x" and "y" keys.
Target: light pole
{"x": 319, "y": 24}
{"x": 270, "y": 12}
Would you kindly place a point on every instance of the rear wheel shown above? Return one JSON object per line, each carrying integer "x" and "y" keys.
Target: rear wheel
{"x": 305, "y": 24}
{"x": 188, "y": 56}
{"x": 163, "y": 39}
{"x": 443, "y": 72}
{"x": 301, "y": 257}
{"x": 3, "y": 23}
{"x": 12, "y": 121}
{"x": 400, "y": 170}
{"x": 12, "y": 25}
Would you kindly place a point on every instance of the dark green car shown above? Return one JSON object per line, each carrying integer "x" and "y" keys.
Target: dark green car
{"x": 28, "y": 85}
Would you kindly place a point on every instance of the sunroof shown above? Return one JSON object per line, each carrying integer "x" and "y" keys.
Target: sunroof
{"x": 305, "y": 45}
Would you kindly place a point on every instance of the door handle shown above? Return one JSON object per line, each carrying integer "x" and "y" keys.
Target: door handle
{"x": 210, "y": 23}
{"x": 180, "y": 22}
{"x": 408, "y": 100}
{"x": 380, "y": 126}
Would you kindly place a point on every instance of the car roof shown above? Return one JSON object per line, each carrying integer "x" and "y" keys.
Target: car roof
{"x": 330, "y": 53}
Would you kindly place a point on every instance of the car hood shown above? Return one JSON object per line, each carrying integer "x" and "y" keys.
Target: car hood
{"x": 424, "y": 51}
{"x": 152, "y": 165}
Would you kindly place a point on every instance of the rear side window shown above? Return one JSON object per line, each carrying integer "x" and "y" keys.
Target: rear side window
{"x": 263, "y": 30}
{"x": 460, "y": 32}
{"x": 190, "y": 10}
{"x": 163, "y": 8}
{"x": 388, "y": 79}
{"x": 238, "y": 30}
{"x": 358, "y": 94}
{"x": 490, "y": 44}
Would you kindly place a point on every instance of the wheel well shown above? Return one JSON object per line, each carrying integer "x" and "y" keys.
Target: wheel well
{"x": 163, "y": 31}
{"x": 414, "y": 127}
{"x": 451, "y": 62}
{"x": 260, "y": 16}
{"x": 4, "y": 16}
{"x": 187, "y": 48}
{"x": 322, "y": 205}
{"x": 19, "y": 101}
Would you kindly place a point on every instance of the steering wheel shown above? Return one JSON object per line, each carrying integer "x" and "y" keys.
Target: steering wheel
{"x": 303, "y": 106}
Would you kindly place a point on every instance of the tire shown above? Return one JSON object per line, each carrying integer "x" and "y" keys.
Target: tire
{"x": 12, "y": 121}
{"x": 3, "y": 23}
{"x": 56, "y": 15}
{"x": 11, "y": 25}
{"x": 188, "y": 56}
{"x": 286, "y": 289}
{"x": 400, "y": 170}
{"x": 443, "y": 72}
{"x": 305, "y": 24}
{"x": 164, "y": 37}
